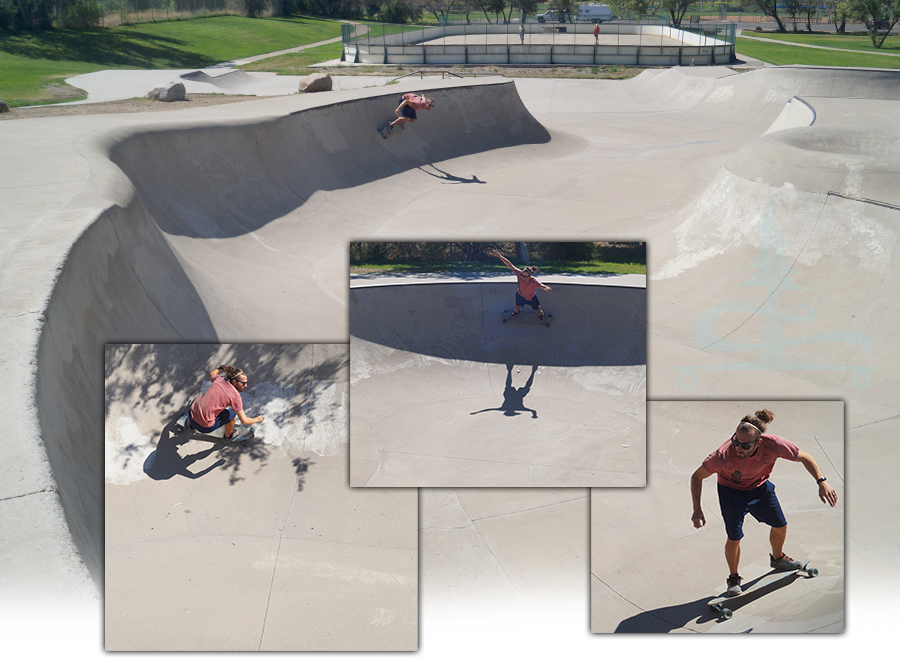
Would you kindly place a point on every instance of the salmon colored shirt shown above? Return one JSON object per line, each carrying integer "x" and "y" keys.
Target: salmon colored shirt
{"x": 417, "y": 102}
{"x": 219, "y": 397}
{"x": 752, "y": 472}
{"x": 527, "y": 286}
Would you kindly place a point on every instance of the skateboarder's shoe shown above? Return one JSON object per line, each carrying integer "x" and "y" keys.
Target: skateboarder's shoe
{"x": 734, "y": 585}
{"x": 784, "y": 563}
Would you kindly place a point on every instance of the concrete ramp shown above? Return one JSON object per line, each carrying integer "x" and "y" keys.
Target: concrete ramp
{"x": 446, "y": 394}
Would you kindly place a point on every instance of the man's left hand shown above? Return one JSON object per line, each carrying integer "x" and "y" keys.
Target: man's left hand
{"x": 827, "y": 493}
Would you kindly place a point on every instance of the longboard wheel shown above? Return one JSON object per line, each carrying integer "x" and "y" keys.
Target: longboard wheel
{"x": 179, "y": 428}
{"x": 812, "y": 572}
{"x": 726, "y": 613}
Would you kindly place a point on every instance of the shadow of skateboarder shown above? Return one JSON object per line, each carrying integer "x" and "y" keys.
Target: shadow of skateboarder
{"x": 513, "y": 399}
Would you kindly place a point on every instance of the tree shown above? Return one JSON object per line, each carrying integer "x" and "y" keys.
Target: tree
{"x": 878, "y": 15}
{"x": 569, "y": 7}
{"x": 839, "y": 14}
{"x": 635, "y": 7}
{"x": 794, "y": 8}
{"x": 770, "y": 8}
{"x": 677, "y": 9}
{"x": 525, "y": 7}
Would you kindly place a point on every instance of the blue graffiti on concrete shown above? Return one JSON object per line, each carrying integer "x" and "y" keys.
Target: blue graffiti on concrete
{"x": 773, "y": 271}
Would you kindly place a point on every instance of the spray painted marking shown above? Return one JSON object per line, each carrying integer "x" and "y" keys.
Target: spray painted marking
{"x": 773, "y": 272}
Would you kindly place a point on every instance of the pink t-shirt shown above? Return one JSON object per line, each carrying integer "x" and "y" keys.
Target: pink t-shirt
{"x": 219, "y": 397}
{"x": 417, "y": 102}
{"x": 752, "y": 472}
{"x": 527, "y": 287}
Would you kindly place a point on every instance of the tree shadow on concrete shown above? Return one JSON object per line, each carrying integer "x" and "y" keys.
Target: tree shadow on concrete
{"x": 160, "y": 380}
{"x": 514, "y": 398}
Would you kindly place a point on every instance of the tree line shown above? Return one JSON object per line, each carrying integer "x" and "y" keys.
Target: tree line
{"x": 380, "y": 253}
{"x": 879, "y": 16}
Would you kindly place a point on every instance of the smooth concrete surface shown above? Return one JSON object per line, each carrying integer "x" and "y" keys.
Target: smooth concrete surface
{"x": 651, "y": 571}
{"x": 266, "y": 529}
{"x": 445, "y": 394}
{"x": 667, "y": 157}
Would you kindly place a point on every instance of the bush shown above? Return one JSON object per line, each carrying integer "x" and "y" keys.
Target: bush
{"x": 82, "y": 14}
{"x": 255, "y": 7}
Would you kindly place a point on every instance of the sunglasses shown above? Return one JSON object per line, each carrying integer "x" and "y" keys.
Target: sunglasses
{"x": 743, "y": 445}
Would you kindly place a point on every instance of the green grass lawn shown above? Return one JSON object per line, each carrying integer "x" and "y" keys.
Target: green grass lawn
{"x": 853, "y": 41}
{"x": 295, "y": 63}
{"x": 33, "y": 65}
{"x": 782, "y": 54}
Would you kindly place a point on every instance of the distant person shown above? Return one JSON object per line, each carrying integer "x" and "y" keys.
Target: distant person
{"x": 742, "y": 465}
{"x": 596, "y": 34}
{"x": 528, "y": 285}
{"x": 522, "y": 33}
{"x": 410, "y": 103}
{"x": 221, "y": 404}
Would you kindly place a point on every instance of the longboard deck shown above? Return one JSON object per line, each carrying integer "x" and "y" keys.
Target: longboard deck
{"x": 757, "y": 588}
{"x": 529, "y": 318}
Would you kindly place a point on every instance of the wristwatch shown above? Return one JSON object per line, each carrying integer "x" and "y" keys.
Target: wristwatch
{"x": 821, "y": 480}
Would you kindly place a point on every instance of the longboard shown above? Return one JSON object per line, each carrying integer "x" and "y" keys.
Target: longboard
{"x": 529, "y": 317}
{"x": 757, "y": 588}
{"x": 241, "y": 432}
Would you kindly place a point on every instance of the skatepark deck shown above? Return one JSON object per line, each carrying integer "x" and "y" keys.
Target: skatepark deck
{"x": 761, "y": 282}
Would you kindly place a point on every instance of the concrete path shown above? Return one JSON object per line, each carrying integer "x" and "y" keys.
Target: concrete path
{"x": 772, "y": 274}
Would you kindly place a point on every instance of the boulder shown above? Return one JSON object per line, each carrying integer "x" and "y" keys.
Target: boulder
{"x": 4, "y": 108}
{"x": 171, "y": 92}
{"x": 315, "y": 83}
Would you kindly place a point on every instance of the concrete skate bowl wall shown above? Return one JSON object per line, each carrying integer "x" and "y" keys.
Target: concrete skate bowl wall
{"x": 445, "y": 394}
{"x": 592, "y": 326}
{"x": 792, "y": 245}
{"x": 210, "y": 232}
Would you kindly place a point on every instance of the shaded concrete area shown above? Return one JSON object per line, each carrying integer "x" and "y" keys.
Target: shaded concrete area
{"x": 651, "y": 571}
{"x": 444, "y": 393}
{"x": 267, "y": 530}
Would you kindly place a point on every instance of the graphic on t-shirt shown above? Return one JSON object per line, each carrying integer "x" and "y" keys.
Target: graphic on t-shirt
{"x": 736, "y": 477}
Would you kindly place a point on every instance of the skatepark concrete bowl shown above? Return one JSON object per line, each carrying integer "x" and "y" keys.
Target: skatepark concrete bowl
{"x": 767, "y": 278}
{"x": 266, "y": 529}
{"x": 445, "y": 394}
{"x": 658, "y": 576}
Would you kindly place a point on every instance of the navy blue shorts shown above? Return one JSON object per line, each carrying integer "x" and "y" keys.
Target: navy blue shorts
{"x": 407, "y": 111}
{"x": 761, "y": 503}
{"x": 224, "y": 417}
{"x": 521, "y": 301}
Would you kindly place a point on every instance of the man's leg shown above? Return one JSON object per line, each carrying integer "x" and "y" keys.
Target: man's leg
{"x": 777, "y": 536}
{"x": 733, "y": 555}
{"x": 229, "y": 428}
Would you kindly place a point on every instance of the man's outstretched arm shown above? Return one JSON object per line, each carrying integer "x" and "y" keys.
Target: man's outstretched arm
{"x": 826, "y": 493}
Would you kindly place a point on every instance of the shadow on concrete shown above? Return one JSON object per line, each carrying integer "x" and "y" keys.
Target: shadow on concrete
{"x": 165, "y": 462}
{"x": 446, "y": 176}
{"x": 163, "y": 372}
{"x": 513, "y": 398}
{"x": 669, "y": 618}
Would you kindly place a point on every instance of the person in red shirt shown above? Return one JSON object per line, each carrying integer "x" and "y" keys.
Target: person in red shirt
{"x": 221, "y": 404}
{"x": 528, "y": 285}
{"x": 409, "y": 104}
{"x": 742, "y": 466}
{"x": 596, "y": 34}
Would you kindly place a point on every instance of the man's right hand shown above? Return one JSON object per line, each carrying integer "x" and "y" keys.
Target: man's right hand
{"x": 698, "y": 519}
